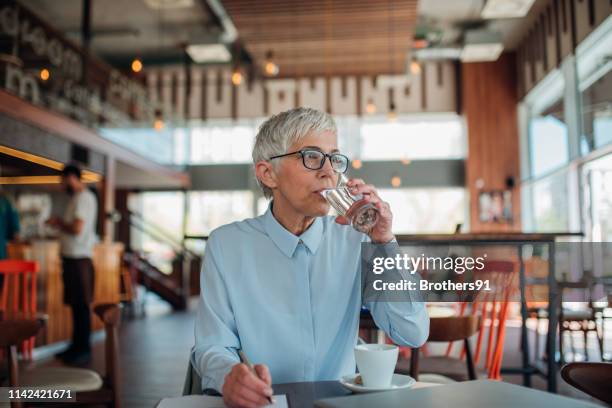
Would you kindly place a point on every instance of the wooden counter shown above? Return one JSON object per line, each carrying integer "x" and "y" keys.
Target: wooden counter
{"x": 50, "y": 288}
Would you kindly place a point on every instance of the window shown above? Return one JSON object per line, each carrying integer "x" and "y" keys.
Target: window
{"x": 162, "y": 224}
{"x": 157, "y": 146}
{"x": 426, "y": 138}
{"x": 221, "y": 142}
{"x": 426, "y": 210}
{"x": 211, "y": 209}
{"x": 598, "y": 193}
{"x": 597, "y": 114}
{"x": 548, "y": 140}
{"x": 549, "y": 203}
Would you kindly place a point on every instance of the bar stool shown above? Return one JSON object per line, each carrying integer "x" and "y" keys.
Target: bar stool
{"x": 89, "y": 386}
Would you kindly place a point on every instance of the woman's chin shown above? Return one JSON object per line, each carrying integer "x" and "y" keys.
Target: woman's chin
{"x": 320, "y": 209}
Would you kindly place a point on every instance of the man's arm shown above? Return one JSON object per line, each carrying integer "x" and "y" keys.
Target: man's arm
{"x": 73, "y": 228}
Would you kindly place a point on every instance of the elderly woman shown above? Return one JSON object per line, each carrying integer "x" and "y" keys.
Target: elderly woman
{"x": 285, "y": 287}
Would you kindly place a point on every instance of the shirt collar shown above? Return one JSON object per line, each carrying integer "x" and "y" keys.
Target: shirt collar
{"x": 288, "y": 242}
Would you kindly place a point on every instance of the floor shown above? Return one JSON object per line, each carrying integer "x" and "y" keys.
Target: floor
{"x": 155, "y": 350}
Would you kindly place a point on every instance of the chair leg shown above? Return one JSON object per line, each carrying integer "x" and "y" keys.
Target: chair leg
{"x": 561, "y": 348}
{"x": 600, "y": 341}
{"x": 468, "y": 359}
{"x": 585, "y": 334}
{"x": 537, "y": 339}
{"x": 414, "y": 363}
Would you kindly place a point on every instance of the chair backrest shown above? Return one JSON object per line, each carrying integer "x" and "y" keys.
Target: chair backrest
{"x": 493, "y": 308}
{"x": 17, "y": 266}
{"x": 453, "y": 328}
{"x": 193, "y": 382}
{"x": 591, "y": 378}
{"x": 18, "y": 295}
{"x": 110, "y": 314}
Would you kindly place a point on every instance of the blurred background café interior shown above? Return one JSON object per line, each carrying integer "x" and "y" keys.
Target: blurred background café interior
{"x": 479, "y": 121}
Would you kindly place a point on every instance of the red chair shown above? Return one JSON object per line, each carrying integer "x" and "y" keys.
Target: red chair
{"x": 18, "y": 297}
{"x": 493, "y": 307}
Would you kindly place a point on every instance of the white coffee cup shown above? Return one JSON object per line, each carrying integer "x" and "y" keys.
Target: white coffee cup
{"x": 376, "y": 363}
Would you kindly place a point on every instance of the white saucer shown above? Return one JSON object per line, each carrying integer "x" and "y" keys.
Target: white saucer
{"x": 398, "y": 382}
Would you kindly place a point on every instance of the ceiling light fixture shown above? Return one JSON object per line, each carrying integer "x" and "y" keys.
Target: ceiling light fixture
{"x": 506, "y": 8}
{"x": 396, "y": 181}
{"x": 45, "y": 74}
{"x": 415, "y": 67}
{"x": 208, "y": 53}
{"x": 270, "y": 67}
{"x": 370, "y": 107}
{"x": 136, "y": 65}
{"x": 236, "y": 76}
{"x": 481, "y": 45}
{"x": 158, "y": 123}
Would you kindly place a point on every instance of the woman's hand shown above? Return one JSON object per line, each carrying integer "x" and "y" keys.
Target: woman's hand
{"x": 381, "y": 232}
{"x": 243, "y": 389}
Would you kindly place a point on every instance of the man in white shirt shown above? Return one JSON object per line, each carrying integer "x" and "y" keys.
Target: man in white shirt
{"x": 77, "y": 238}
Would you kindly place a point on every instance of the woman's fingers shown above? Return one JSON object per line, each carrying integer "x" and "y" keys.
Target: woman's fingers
{"x": 263, "y": 373}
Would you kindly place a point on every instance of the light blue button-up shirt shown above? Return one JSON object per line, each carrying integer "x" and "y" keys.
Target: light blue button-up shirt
{"x": 290, "y": 302}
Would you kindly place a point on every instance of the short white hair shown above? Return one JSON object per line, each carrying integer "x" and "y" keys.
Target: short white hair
{"x": 280, "y": 131}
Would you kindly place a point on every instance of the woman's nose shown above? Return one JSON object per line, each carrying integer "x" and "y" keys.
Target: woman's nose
{"x": 327, "y": 170}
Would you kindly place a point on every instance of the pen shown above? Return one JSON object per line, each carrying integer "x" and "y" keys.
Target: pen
{"x": 246, "y": 361}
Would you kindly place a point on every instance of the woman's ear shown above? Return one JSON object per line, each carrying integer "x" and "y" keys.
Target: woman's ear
{"x": 264, "y": 171}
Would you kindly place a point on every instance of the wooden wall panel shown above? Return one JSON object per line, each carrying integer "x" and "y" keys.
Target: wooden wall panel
{"x": 489, "y": 100}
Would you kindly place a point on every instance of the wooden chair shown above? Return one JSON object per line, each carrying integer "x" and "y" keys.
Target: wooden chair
{"x": 18, "y": 296}
{"x": 90, "y": 388}
{"x": 493, "y": 307}
{"x": 444, "y": 329}
{"x": 591, "y": 378}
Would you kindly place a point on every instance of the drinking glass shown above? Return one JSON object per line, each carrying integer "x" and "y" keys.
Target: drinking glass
{"x": 341, "y": 199}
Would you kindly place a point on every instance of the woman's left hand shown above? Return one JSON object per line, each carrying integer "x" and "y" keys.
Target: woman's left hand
{"x": 381, "y": 232}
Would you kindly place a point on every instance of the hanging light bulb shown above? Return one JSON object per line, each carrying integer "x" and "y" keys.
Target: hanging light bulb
{"x": 356, "y": 164}
{"x": 158, "y": 123}
{"x": 405, "y": 161}
{"x": 396, "y": 181}
{"x": 236, "y": 76}
{"x": 270, "y": 67}
{"x": 136, "y": 65}
{"x": 370, "y": 107}
{"x": 392, "y": 114}
{"x": 45, "y": 74}
{"x": 415, "y": 67}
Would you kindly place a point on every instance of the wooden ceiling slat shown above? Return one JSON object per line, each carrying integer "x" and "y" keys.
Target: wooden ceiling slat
{"x": 281, "y": 6}
{"x": 264, "y": 21}
{"x": 327, "y": 36}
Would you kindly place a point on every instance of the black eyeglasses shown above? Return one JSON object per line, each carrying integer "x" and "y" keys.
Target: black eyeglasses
{"x": 315, "y": 159}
